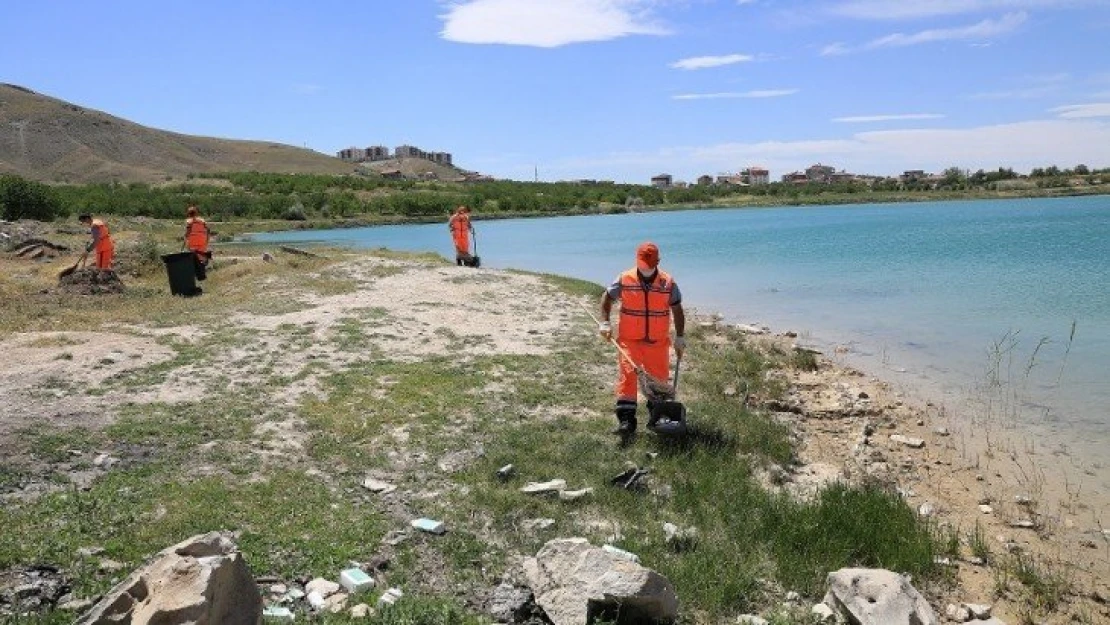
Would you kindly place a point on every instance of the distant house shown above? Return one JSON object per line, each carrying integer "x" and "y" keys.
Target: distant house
{"x": 913, "y": 175}
{"x": 662, "y": 181}
{"x": 795, "y": 177}
{"x": 819, "y": 172}
{"x": 391, "y": 174}
{"x": 756, "y": 175}
{"x": 705, "y": 180}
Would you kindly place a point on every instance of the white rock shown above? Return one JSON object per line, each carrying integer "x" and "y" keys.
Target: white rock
{"x": 572, "y": 495}
{"x": 361, "y": 610}
{"x": 316, "y": 600}
{"x": 325, "y": 587}
{"x": 908, "y": 441}
{"x": 378, "y": 486}
{"x": 823, "y": 613}
{"x": 957, "y": 613}
{"x": 877, "y": 597}
{"x": 980, "y": 611}
{"x": 926, "y": 509}
{"x": 985, "y": 509}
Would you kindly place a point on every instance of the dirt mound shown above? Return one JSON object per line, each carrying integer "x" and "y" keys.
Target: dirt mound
{"x": 91, "y": 282}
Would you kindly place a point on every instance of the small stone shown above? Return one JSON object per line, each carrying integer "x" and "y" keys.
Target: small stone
{"x": 823, "y": 613}
{"x": 1023, "y": 523}
{"x": 325, "y": 587}
{"x": 793, "y": 597}
{"x": 336, "y": 603}
{"x": 75, "y": 605}
{"x": 109, "y": 566}
{"x": 751, "y": 619}
{"x": 976, "y": 560}
{"x": 278, "y": 589}
{"x": 957, "y": 613}
{"x": 941, "y": 431}
{"x": 88, "y": 552}
{"x": 378, "y": 486}
{"x": 980, "y": 611}
{"x": 361, "y": 610}
{"x": 316, "y": 600}
{"x": 985, "y": 509}
{"x": 920, "y": 422}
{"x": 908, "y": 441}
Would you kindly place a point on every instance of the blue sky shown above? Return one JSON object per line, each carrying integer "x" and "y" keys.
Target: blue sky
{"x": 608, "y": 89}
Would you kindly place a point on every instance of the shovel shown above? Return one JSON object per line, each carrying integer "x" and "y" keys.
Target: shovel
{"x": 668, "y": 417}
{"x": 475, "y": 261}
{"x": 69, "y": 270}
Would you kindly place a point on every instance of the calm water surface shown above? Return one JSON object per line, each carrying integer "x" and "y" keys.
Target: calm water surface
{"x": 929, "y": 296}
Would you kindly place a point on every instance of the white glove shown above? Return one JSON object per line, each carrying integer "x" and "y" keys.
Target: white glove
{"x": 605, "y": 330}
{"x": 679, "y": 345}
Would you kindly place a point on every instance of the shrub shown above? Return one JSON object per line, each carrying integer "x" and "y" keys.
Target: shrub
{"x": 24, "y": 199}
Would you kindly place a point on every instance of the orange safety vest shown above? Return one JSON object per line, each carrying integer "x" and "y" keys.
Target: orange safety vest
{"x": 645, "y": 311}
{"x": 459, "y": 224}
{"x": 196, "y": 234}
{"x": 104, "y": 240}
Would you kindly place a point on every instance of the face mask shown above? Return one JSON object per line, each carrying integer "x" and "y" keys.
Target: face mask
{"x": 647, "y": 274}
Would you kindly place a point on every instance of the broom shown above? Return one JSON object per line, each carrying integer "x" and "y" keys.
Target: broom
{"x": 650, "y": 386}
{"x": 69, "y": 270}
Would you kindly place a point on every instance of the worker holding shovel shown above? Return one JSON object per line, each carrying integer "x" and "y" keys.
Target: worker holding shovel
{"x": 649, "y": 299}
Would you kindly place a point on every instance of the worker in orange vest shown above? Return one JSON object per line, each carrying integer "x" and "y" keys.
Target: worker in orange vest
{"x": 649, "y": 300}
{"x": 197, "y": 235}
{"x": 101, "y": 244}
{"x": 461, "y": 229}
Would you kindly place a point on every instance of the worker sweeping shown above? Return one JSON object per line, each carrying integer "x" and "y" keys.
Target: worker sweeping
{"x": 649, "y": 300}
{"x": 461, "y": 229}
{"x": 197, "y": 236}
{"x": 101, "y": 245}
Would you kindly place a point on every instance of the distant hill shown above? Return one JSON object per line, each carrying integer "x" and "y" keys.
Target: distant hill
{"x": 47, "y": 139}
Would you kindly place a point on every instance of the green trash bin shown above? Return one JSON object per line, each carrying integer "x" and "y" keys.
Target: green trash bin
{"x": 182, "y": 274}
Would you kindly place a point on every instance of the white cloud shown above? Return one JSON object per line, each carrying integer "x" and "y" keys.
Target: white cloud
{"x": 860, "y": 119}
{"x": 1028, "y": 93}
{"x": 703, "y": 62}
{"x": 758, "y": 93}
{"x": 1022, "y": 146}
{"x": 546, "y": 23}
{"x": 307, "y": 88}
{"x": 894, "y": 10}
{"x": 981, "y": 30}
{"x": 1083, "y": 111}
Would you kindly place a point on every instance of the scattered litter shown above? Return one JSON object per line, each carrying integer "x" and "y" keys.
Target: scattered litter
{"x": 278, "y": 613}
{"x": 539, "y": 488}
{"x": 325, "y": 587}
{"x": 621, "y": 553}
{"x": 505, "y": 472}
{"x": 316, "y": 600}
{"x": 355, "y": 580}
{"x": 389, "y": 597}
{"x": 630, "y": 478}
{"x": 428, "y": 525}
{"x": 571, "y": 495}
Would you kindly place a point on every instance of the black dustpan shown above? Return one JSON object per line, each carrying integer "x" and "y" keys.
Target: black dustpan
{"x": 668, "y": 417}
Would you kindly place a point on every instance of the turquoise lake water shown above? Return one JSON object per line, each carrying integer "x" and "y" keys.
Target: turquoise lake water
{"x": 918, "y": 294}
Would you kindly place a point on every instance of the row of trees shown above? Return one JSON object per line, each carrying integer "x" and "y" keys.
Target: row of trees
{"x": 299, "y": 196}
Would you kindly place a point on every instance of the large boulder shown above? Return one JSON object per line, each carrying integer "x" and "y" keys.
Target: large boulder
{"x": 575, "y": 583}
{"x": 201, "y": 581}
{"x": 877, "y": 597}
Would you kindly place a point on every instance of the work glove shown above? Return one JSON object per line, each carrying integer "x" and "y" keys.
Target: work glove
{"x": 88, "y": 247}
{"x": 679, "y": 345}
{"x": 605, "y": 331}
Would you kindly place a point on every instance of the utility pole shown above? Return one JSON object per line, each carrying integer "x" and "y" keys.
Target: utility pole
{"x": 536, "y": 174}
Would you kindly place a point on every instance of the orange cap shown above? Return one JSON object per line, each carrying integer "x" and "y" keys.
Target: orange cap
{"x": 647, "y": 256}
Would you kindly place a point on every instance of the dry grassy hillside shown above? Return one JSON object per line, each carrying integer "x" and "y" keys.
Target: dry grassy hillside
{"x": 43, "y": 138}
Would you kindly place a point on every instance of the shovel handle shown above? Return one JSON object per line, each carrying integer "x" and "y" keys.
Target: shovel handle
{"x": 677, "y": 364}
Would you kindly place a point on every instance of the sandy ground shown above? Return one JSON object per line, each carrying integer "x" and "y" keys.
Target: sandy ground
{"x": 411, "y": 310}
